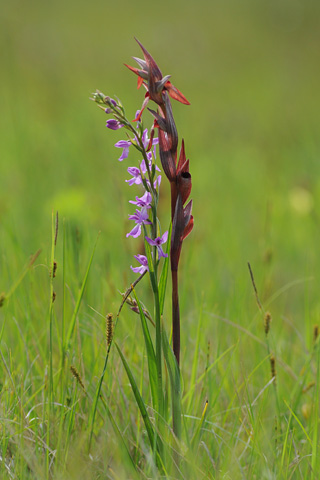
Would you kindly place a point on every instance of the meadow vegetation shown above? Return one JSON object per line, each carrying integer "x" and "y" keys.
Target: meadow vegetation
{"x": 250, "y": 386}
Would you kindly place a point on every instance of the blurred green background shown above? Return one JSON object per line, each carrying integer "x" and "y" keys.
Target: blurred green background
{"x": 251, "y": 72}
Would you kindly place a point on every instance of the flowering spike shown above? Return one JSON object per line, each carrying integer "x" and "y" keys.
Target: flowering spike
{"x": 159, "y": 89}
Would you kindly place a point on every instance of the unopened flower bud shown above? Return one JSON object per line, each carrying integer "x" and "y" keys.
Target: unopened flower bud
{"x": 113, "y": 124}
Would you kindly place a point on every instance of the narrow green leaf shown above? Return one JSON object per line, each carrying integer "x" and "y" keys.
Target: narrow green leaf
{"x": 79, "y": 299}
{"x": 120, "y": 437}
{"x": 152, "y": 364}
{"x": 139, "y": 399}
{"x": 197, "y": 434}
{"x": 175, "y": 380}
{"x": 164, "y": 274}
{"x": 195, "y": 356}
{"x": 315, "y": 445}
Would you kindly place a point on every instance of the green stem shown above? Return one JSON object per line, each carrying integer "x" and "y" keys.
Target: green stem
{"x": 158, "y": 350}
{"x": 175, "y": 316}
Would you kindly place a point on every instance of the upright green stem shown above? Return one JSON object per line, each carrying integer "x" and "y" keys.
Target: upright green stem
{"x": 158, "y": 349}
{"x": 175, "y": 316}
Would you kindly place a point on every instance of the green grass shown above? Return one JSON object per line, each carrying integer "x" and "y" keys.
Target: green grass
{"x": 250, "y": 70}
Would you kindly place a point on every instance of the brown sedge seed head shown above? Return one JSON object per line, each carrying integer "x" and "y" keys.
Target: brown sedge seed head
{"x": 2, "y": 298}
{"x": 77, "y": 376}
{"x": 109, "y": 328}
{"x": 267, "y": 321}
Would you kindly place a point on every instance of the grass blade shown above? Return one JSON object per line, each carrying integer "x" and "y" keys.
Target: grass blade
{"x": 120, "y": 438}
{"x": 175, "y": 380}
{"x": 152, "y": 364}
{"x": 139, "y": 400}
{"x": 197, "y": 434}
{"x": 195, "y": 356}
{"x": 79, "y": 299}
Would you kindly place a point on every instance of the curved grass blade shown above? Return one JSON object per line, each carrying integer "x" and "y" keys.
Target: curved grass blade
{"x": 120, "y": 438}
{"x": 175, "y": 380}
{"x": 139, "y": 400}
{"x": 152, "y": 364}
{"x": 79, "y": 299}
{"x": 197, "y": 434}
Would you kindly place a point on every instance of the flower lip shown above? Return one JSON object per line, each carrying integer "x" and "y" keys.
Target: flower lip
{"x": 140, "y": 217}
{"x": 143, "y": 201}
{"x": 125, "y": 144}
{"x": 142, "y": 259}
{"x": 157, "y": 242}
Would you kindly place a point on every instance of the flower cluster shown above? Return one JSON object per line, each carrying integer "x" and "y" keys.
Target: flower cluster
{"x": 159, "y": 89}
{"x": 146, "y": 175}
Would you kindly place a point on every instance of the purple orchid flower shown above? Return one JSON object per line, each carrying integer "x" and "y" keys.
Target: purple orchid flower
{"x": 140, "y": 217}
{"x": 142, "y": 259}
{"x": 157, "y": 242}
{"x": 136, "y": 176}
{"x": 144, "y": 167}
{"x": 113, "y": 124}
{"x": 125, "y": 144}
{"x": 143, "y": 201}
{"x": 157, "y": 182}
{"x": 145, "y": 141}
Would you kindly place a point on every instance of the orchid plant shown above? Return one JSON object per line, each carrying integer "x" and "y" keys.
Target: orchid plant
{"x": 160, "y": 246}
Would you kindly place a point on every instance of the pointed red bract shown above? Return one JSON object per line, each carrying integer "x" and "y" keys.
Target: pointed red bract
{"x": 188, "y": 228}
{"x": 175, "y": 93}
{"x": 152, "y": 66}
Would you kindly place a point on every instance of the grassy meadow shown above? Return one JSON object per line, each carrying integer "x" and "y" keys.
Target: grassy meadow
{"x": 251, "y": 73}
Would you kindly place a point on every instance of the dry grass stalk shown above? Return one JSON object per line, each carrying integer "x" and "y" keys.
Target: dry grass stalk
{"x": 308, "y": 387}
